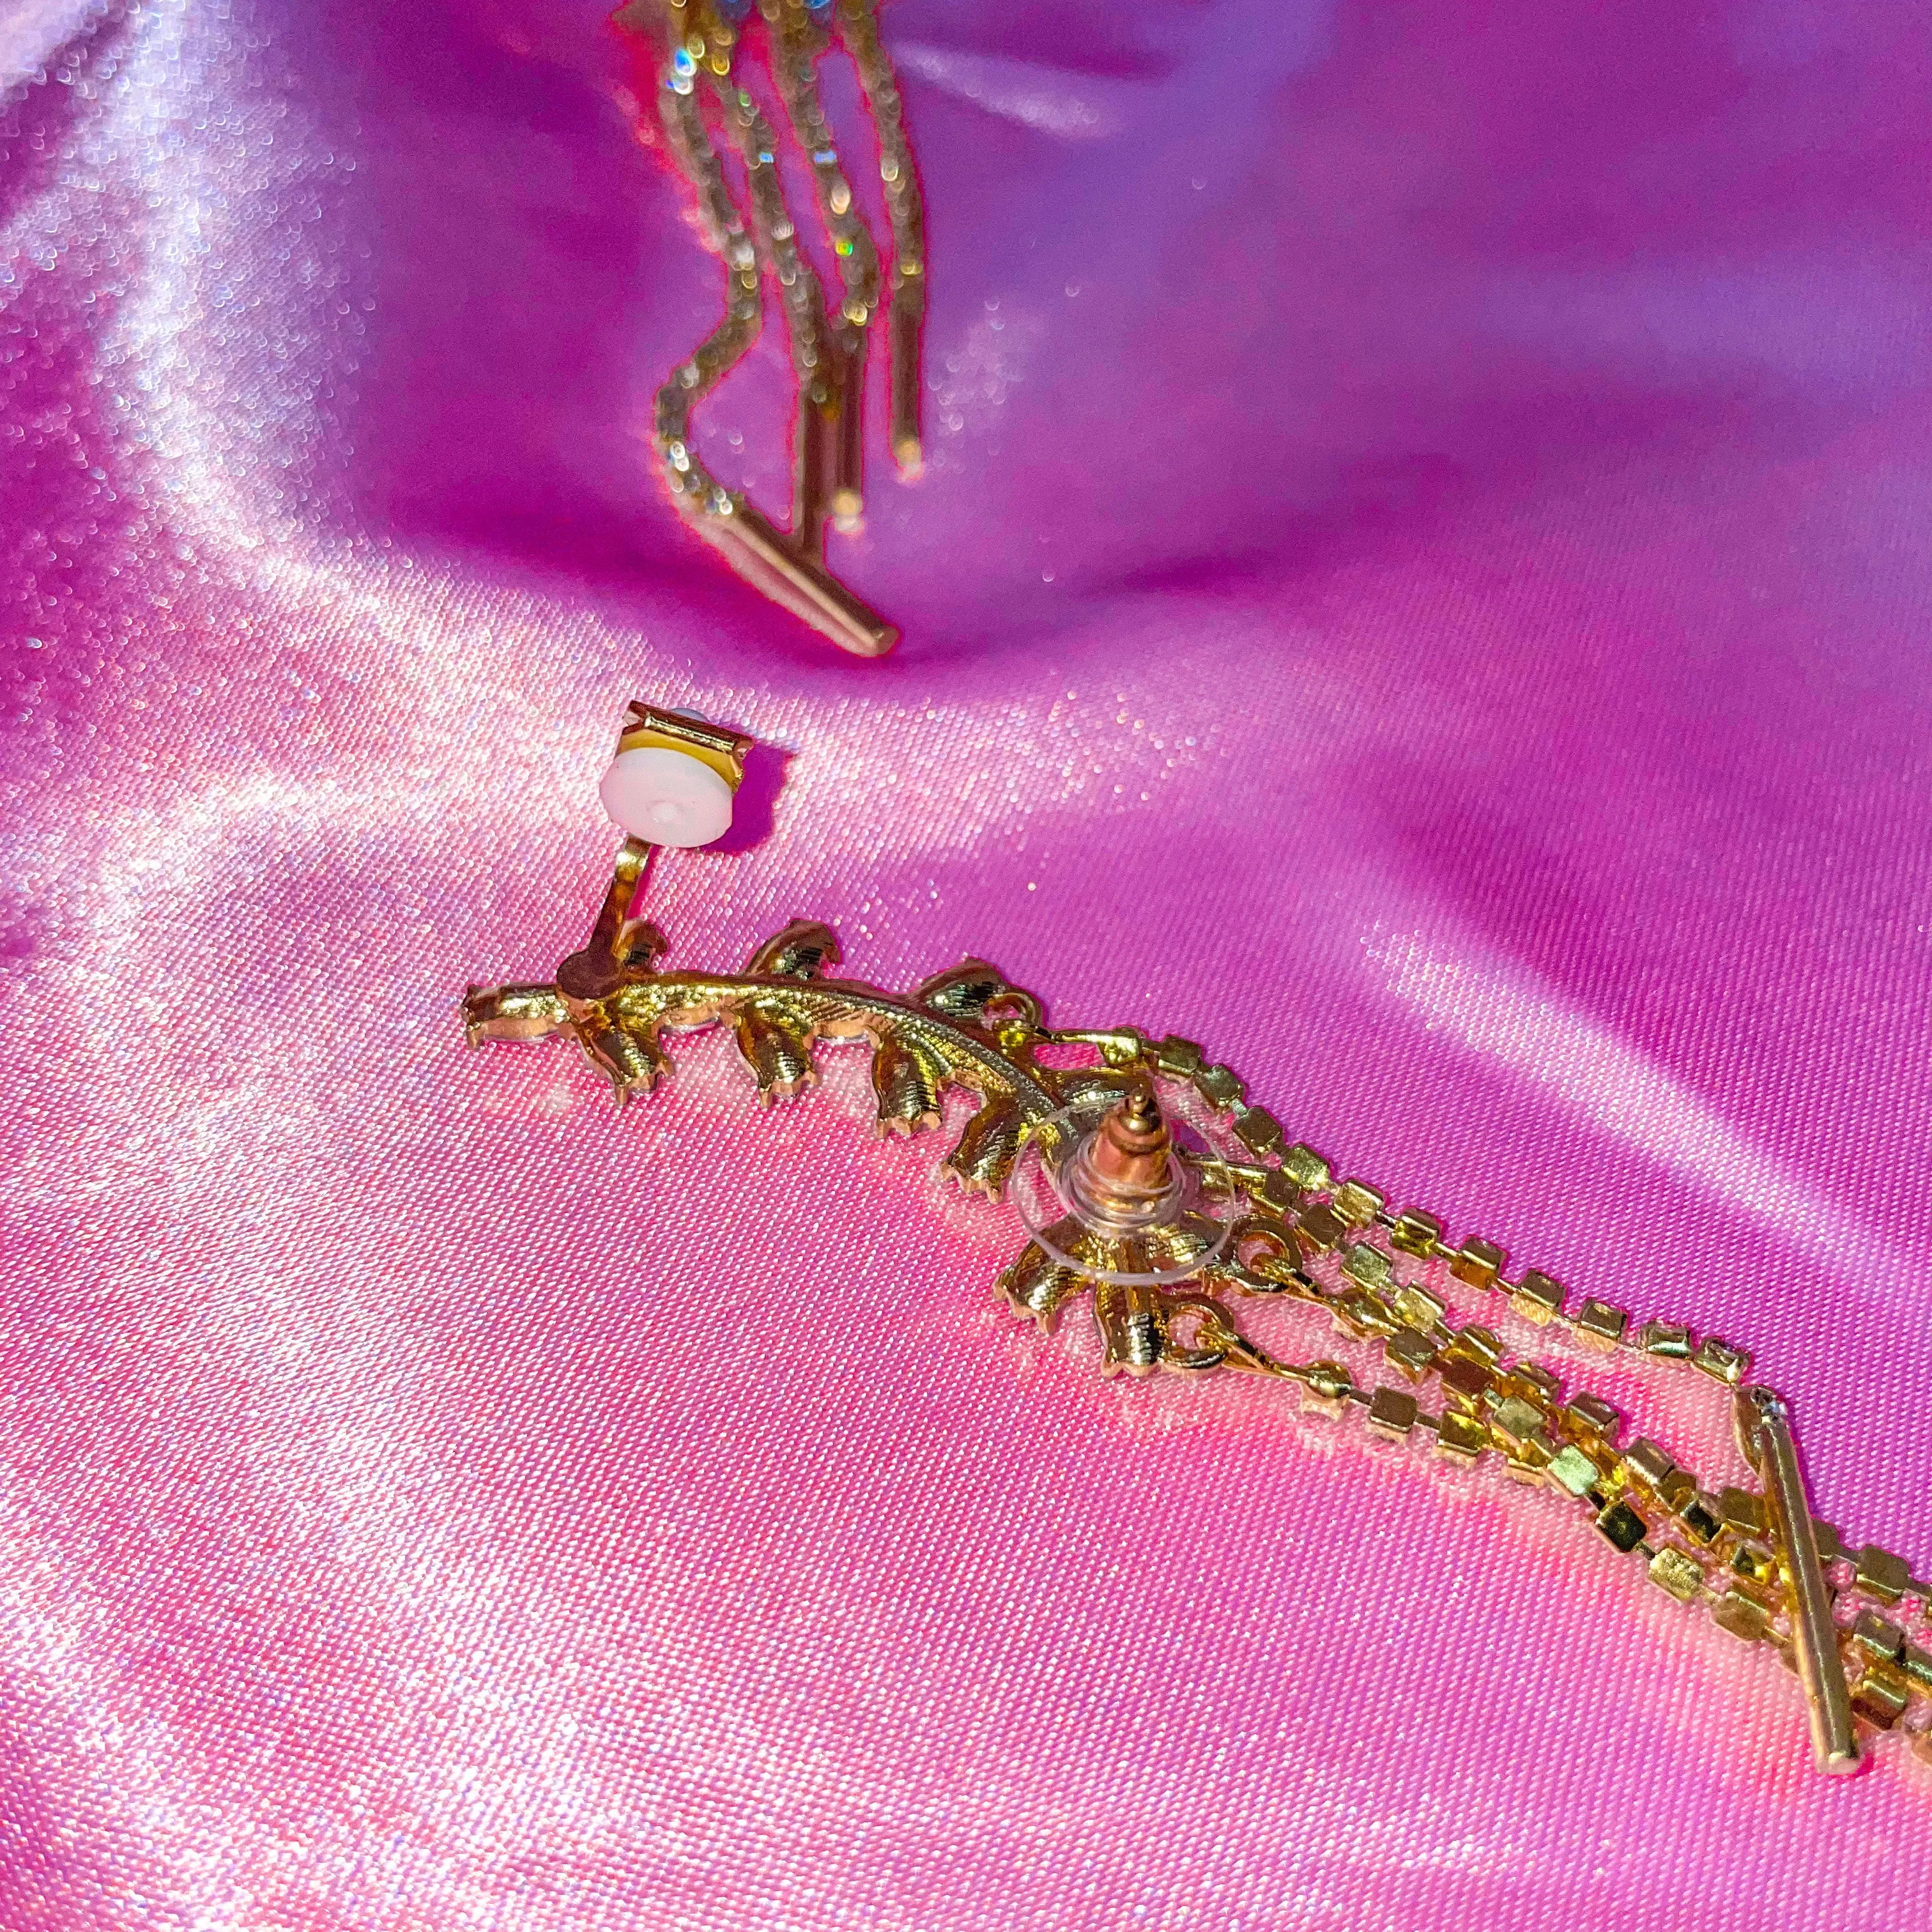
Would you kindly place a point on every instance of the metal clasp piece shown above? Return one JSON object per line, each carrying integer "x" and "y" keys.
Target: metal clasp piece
{"x": 1763, "y": 1419}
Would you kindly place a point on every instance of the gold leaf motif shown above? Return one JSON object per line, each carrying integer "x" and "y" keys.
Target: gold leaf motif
{"x": 802, "y": 951}
{"x": 512, "y": 1012}
{"x": 965, "y": 995}
{"x": 907, "y": 1081}
{"x": 1037, "y": 1284}
{"x": 777, "y": 1050}
{"x": 1130, "y": 1329}
{"x": 987, "y": 1150}
{"x": 631, "y": 1060}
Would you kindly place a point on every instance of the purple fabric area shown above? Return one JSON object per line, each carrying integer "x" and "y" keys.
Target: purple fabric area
{"x": 1420, "y": 583}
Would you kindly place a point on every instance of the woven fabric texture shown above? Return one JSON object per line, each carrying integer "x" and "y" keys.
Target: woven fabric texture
{"x": 1420, "y": 584}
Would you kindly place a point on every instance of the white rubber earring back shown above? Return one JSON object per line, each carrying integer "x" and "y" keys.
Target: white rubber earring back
{"x": 666, "y": 796}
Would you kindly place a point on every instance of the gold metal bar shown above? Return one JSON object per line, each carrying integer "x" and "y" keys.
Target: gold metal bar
{"x": 813, "y": 460}
{"x": 633, "y": 858}
{"x": 904, "y": 323}
{"x": 645, "y": 725}
{"x": 1764, "y": 1433}
{"x": 848, "y": 468}
{"x": 765, "y": 556}
{"x": 616, "y": 939}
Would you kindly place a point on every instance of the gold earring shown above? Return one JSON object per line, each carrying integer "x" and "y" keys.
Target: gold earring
{"x": 1147, "y": 1179}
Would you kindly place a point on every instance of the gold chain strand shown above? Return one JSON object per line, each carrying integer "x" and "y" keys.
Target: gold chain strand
{"x": 799, "y": 42}
{"x": 1697, "y": 1545}
{"x": 905, "y": 211}
{"x": 788, "y": 567}
{"x": 801, "y": 298}
{"x": 838, "y": 426}
{"x": 692, "y": 485}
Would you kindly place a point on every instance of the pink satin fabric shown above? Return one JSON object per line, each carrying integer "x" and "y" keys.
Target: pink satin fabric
{"x": 1420, "y": 585}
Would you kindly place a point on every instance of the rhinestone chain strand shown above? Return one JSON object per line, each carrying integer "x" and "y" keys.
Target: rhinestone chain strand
{"x": 1335, "y": 1244}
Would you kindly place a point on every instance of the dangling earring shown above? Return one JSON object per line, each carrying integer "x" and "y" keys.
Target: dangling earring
{"x": 1148, "y": 1183}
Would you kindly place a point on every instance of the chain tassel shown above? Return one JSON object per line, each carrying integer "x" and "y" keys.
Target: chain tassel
{"x": 701, "y": 43}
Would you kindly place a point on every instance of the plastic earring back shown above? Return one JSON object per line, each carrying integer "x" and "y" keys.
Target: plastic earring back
{"x": 673, "y": 779}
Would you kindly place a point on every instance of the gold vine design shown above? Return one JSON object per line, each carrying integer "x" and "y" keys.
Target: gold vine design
{"x": 969, "y": 1029}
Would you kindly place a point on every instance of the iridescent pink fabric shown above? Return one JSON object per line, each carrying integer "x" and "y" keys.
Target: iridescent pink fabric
{"x": 1421, "y": 584}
